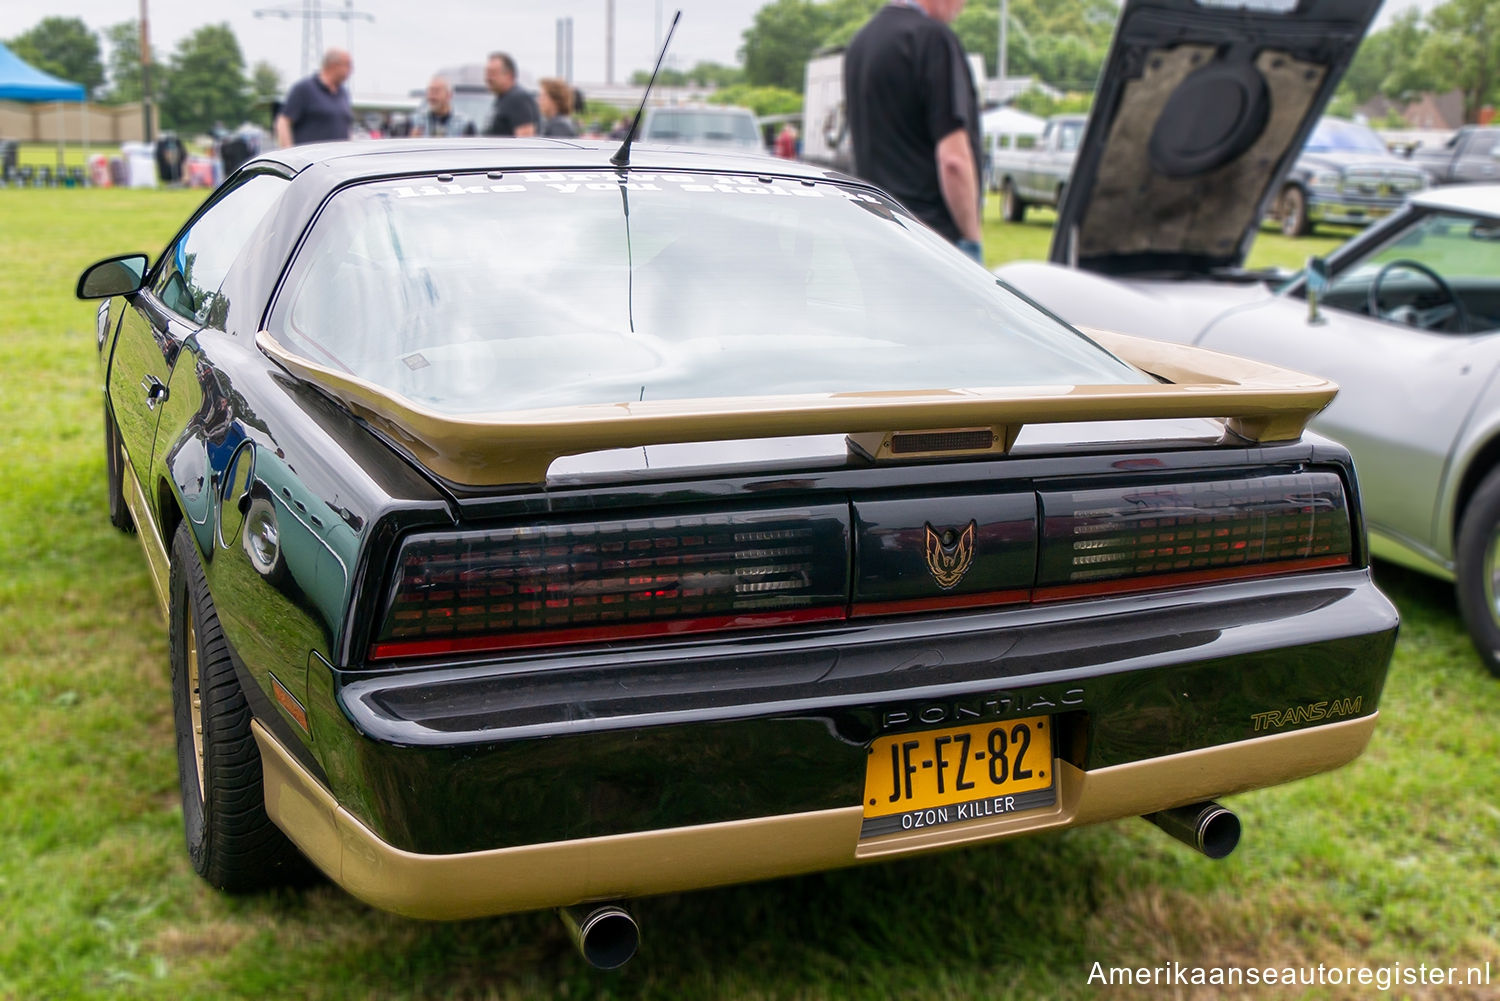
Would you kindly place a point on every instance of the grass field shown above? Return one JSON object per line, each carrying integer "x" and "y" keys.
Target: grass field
{"x": 1393, "y": 859}
{"x": 74, "y": 155}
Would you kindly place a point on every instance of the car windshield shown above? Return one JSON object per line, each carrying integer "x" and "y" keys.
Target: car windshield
{"x": 548, "y": 289}
{"x": 1343, "y": 137}
{"x": 1071, "y": 132}
{"x": 691, "y": 126}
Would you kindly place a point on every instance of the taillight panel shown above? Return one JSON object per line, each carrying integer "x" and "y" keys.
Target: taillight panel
{"x": 913, "y": 554}
{"x": 590, "y": 580}
{"x": 1157, "y": 533}
{"x": 579, "y": 581}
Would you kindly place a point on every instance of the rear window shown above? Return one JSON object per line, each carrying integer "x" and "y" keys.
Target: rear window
{"x": 690, "y": 126}
{"x": 551, "y": 289}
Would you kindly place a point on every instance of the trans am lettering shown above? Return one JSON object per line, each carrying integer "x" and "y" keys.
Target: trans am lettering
{"x": 1312, "y": 713}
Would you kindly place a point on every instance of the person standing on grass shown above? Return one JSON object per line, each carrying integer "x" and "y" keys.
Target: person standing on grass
{"x": 555, "y": 100}
{"x": 317, "y": 108}
{"x": 914, "y": 115}
{"x": 441, "y": 119}
{"x": 514, "y": 112}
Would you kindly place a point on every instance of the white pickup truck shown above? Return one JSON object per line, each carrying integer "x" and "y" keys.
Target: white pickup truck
{"x": 1036, "y": 170}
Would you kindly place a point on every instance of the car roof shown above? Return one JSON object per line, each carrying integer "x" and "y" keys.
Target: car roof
{"x": 1477, "y": 199}
{"x": 349, "y": 161}
{"x": 698, "y": 106}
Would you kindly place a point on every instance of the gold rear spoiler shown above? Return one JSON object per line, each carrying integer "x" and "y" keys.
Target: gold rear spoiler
{"x": 1259, "y": 402}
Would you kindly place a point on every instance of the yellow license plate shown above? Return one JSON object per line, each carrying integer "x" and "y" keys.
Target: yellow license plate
{"x": 935, "y": 777}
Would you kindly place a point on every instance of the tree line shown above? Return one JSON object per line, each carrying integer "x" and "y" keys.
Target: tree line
{"x": 202, "y": 84}
{"x": 1060, "y": 42}
{"x": 1455, "y": 45}
{"x": 1063, "y": 43}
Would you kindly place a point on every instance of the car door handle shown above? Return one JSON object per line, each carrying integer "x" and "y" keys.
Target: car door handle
{"x": 156, "y": 391}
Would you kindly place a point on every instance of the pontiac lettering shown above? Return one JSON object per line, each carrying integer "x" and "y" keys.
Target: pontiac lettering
{"x": 986, "y": 707}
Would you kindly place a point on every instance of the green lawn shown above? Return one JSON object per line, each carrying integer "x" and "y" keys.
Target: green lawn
{"x": 74, "y": 155}
{"x": 1396, "y": 858}
{"x": 1032, "y": 239}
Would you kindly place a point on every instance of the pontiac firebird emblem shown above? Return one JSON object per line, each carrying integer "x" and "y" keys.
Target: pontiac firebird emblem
{"x": 949, "y": 563}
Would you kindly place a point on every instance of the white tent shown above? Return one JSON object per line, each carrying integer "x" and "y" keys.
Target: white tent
{"x": 1009, "y": 121}
{"x": 21, "y": 81}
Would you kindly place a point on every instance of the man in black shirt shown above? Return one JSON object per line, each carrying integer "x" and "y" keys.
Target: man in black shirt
{"x": 514, "y": 112}
{"x": 317, "y": 108}
{"x": 914, "y": 116}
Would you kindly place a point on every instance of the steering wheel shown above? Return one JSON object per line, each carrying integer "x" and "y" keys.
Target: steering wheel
{"x": 1428, "y": 319}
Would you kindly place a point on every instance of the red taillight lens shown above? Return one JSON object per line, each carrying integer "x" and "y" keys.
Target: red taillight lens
{"x": 573, "y": 583}
{"x": 600, "y": 581}
{"x": 1097, "y": 541}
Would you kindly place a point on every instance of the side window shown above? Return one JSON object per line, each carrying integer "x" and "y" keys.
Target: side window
{"x": 1482, "y": 144}
{"x": 193, "y": 268}
{"x": 1457, "y": 247}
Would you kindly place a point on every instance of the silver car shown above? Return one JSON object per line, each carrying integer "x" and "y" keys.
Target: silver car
{"x": 720, "y": 127}
{"x": 1404, "y": 317}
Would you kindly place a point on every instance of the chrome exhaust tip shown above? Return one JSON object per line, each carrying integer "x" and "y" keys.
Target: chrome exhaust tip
{"x": 1207, "y": 827}
{"x": 605, "y": 934}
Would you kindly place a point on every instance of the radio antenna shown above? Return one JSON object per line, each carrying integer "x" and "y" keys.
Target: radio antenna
{"x": 622, "y": 155}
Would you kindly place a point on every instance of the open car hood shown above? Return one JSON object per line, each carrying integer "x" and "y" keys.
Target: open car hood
{"x": 1256, "y": 402}
{"x": 1200, "y": 112}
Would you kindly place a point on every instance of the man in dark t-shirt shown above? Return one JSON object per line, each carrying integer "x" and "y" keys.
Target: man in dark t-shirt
{"x": 317, "y": 108}
{"x": 514, "y": 112}
{"x": 914, "y": 116}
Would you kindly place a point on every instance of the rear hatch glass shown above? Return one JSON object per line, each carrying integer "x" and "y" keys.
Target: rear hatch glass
{"x": 547, "y": 289}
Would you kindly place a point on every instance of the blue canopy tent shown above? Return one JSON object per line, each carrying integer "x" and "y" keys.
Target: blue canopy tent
{"x": 21, "y": 81}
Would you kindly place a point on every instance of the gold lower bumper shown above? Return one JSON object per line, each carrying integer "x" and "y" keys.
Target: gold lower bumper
{"x": 666, "y": 861}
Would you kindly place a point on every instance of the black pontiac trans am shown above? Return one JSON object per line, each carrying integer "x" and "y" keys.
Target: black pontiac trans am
{"x": 533, "y": 532}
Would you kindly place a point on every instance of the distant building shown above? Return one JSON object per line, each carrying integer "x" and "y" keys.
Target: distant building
{"x": 1004, "y": 91}
{"x": 1433, "y": 112}
{"x": 1436, "y": 111}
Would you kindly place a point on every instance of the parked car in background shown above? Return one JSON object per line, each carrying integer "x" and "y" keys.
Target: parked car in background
{"x": 1345, "y": 175}
{"x": 1470, "y": 154}
{"x": 534, "y": 530}
{"x": 1408, "y": 324}
{"x": 1036, "y": 169}
{"x": 710, "y": 126}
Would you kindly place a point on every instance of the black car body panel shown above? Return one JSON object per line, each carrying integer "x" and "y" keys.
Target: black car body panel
{"x": 462, "y": 781}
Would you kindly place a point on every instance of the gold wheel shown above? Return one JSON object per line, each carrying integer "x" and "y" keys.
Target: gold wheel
{"x": 195, "y": 699}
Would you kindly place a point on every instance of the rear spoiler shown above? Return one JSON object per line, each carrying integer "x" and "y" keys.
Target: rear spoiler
{"x": 1258, "y": 402}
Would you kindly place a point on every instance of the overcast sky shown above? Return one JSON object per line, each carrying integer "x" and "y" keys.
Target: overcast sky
{"x": 410, "y": 39}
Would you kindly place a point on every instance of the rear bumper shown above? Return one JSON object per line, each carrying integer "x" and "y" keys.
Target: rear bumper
{"x": 642, "y": 863}
{"x": 555, "y": 746}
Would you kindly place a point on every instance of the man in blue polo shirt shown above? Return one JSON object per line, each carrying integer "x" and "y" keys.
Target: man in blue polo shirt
{"x": 317, "y": 108}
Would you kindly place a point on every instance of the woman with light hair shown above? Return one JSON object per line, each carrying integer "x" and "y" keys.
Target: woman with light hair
{"x": 556, "y": 102}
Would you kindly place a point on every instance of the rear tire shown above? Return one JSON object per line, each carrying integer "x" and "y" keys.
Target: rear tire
{"x": 114, "y": 472}
{"x": 1294, "y": 220}
{"x": 1478, "y": 571}
{"x": 231, "y": 841}
{"x": 1011, "y": 207}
